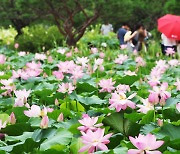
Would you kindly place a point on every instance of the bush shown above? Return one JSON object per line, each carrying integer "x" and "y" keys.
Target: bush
{"x": 93, "y": 37}
{"x": 7, "y": 36}
{"x": 39, "y": 38}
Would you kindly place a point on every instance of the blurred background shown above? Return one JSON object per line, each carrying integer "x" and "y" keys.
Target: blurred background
{"x": 39, "y": 25}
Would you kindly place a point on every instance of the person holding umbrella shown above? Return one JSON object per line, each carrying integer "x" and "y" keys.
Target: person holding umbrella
{"x": 169, "y": 26}
{"x": 167, "y": 43}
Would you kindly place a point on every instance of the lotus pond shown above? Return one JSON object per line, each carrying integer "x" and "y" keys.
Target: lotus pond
{"x": 89, "y": 100}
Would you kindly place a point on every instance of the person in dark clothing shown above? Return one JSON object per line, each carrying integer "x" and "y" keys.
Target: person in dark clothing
{"x": 120, "y": 35}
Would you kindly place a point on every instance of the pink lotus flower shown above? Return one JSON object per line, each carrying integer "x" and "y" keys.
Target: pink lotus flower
{"x": 22, "y": 96}
{"x": 177, "y": 84}
{"x": 16, "y": 45}
{"x": 77, "y": 73}
{"x": 145, "y": 107}
{"x": 95, "y": 140}
{"x": 35, "y": 111}
{"x": 159, "y": 94}
{"x": 1, "y": 73}
{"x": 97, "y": 64}
{"x": 140, "y": 62}
{"x": 60, "y": 117}
{"x": 44, "y": 122}
{"x": 2, "y": 125}
{"x": 122, "y": 88}
{"x": 59, "y": 75}
{"x": 170, "y": 51}
{"x": 12, "y": 118}
{"x": 50, "y": 59}
{"x": 8, "y": 86}
{"x": 145, "y": 144}
{"x": 120, "y": 101}
{"x": 69, "y": 54}
{"x": 178, "y": 107}
{"x": 39, "y": 56}
{"x": 61, "y": 50}
{"x": 66, "y": 88}
{"x": 130, "y": 73}
{"x": 121, "y": 59}
{"x": 21, "y": 53}
{"x": 154, "y": 81}
{"x": 82, "y": 61}
{"x": 174, "y": 62}
{"x": 33, "y": 65}
{"x": 66, "y": 67}
{"x": 106, "y": 85}
{"x": 89, "y": 123}
{"x": 101, "y": 55}
{"x": 2, "y": 59}
{"x": 94, "y": 50}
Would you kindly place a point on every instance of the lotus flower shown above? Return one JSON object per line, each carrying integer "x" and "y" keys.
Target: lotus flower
{"x": 106, "y": 85}
{"x": 2, "y": 59}
{"x": 159, "y": 94}
{"x": 174, "y": 62}
{"x": 94, "y": 140}
{"x": 21, "y": 53}
{"x": 89, "y": 123}
{"x": 2, "y": 125}
{"x": 35, "y": 111}
{"x": 22, "y": 96}
{"x": 121, "y": 59}
{"x": 170, "y": 51}
{"x": 66, "y": 88}
{"x": 145, "y": 144}
{"x": 82, "y": 61}
{"x": 177, "y": 84}
{"x": 130, "y": 73}
{"x": 39, "y": 56}
{"x": 123, "y": 88}
{"x": 120, "y": 101}
{"x": 98, "y": 64}
{"x": 145, "y": 107}
{"x": 178, "y": 107}
{"x": 59, "y": 75}
{"x": 140, "y": 62}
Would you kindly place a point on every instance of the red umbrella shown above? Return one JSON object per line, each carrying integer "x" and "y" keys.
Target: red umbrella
{"x": 170, "y": 26}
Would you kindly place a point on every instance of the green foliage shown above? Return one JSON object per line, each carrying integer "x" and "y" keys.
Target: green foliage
{"x": 7, "y": 36}
{"x": 39, "y": 38}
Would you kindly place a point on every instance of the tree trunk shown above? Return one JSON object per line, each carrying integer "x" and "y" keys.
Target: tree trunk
{"x": 71, "y": 41}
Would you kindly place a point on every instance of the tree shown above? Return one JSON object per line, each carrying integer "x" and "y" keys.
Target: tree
{"x": 18, "y": 13}
{"x": 66, "y": 14}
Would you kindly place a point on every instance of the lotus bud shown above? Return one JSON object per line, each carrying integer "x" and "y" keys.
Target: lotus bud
{"x": 12, "y": 118}
{"x": 160, "y": 122}
{"x": 101, "y": 68}
{"x": 153, "y": 98}
{"x": 56, "y": 102}
{"x": 60, "y": 117}
{"x": 2, "y": 136}
{"x": 16, "y": 45}
{"x": 44, "y": 122}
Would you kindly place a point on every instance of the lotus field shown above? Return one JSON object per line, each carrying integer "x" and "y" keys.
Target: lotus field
{"x": 89, "y": 100}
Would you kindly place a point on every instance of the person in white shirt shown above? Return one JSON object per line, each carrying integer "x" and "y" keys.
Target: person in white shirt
{"x": 106, "y": 28}
{"x": 167, "y": 43}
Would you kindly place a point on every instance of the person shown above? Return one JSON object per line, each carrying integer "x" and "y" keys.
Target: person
{"x": 121, "y": 33}
{"x": 167, "y": 43}
{"x": 106, "y": 28}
